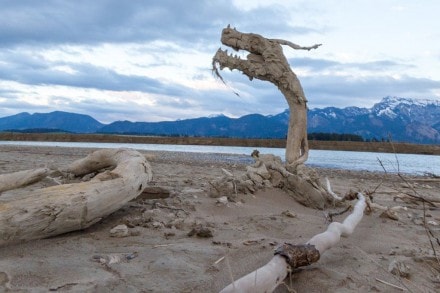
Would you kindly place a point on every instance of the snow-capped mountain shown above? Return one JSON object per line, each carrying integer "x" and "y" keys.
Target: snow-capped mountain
{"x": 405, "y": 120}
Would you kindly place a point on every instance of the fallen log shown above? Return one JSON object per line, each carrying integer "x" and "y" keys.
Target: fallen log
{"x": 288, "y": 256}
{"x": 63, "y": 208}
{"x": 22, "y": 178}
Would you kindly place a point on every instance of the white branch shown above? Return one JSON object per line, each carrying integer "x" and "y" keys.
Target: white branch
{"x": 268, "y": 277}
{"x": 330, "y": 191}
{"x": 335, "y": 230}
{"x": 264, "y": 279}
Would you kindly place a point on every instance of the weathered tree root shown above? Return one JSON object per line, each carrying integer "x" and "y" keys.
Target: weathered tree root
{"x": 268, "y": 171}
{"x": 63, "y": 208}
{"x": 288, "y": 256}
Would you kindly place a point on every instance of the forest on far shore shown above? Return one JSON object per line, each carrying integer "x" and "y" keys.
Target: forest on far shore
{"x": 372, "y": 146}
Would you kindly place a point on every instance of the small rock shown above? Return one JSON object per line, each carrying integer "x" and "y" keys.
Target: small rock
{"x": 433, "y": 223}
{"x": 114, "y": 258}
{"x": 201, "y": 231}
{"x": 399, "y": 268}
{"x": 390, "y": 215}
{"x": 288, "y": 214}
{"x": 157, "y": 225}
{"x": 222, "y": 200}
{"x": 119, "y": 231}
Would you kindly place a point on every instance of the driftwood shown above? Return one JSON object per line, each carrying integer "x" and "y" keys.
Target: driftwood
{"x": 22, "y": 178}
{"x": 266, "y": 61}
{"x": 268, "y": 171}
{"x": 63, "y": 208}
{"x": 288, "y": 256}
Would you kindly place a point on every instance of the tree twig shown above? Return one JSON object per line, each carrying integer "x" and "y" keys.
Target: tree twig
{"x": 391, "y": 285}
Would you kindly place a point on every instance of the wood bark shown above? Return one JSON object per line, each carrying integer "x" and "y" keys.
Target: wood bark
{"x": 288, "y": 256}
{"x": 63, "y": 208}
{"x": 266, "y": 61}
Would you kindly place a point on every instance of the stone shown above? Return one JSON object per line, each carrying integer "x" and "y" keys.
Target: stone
{"x": 119, "y": 231}
{"x": 222, "y": 200}
{"x": 399, "y": 268}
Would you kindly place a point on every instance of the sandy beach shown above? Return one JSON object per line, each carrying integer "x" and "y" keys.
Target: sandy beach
{"x": 163, "y": 253}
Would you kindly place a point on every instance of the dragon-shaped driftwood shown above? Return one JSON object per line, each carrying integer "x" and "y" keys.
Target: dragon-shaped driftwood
{"x": 266, "y": 61}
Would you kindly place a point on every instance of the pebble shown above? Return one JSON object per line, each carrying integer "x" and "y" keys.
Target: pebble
{"x": 222, "y": 200}
{"x": 399, "y": 268}
{"x": 119, "y": 231}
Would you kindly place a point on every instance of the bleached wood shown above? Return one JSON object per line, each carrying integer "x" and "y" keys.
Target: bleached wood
{"x": 59, "y": 209}
{"x": 267, "y": 62}
{"x": 335, "y": 230}
{"x": 330, "y": 191}
{"x": 21, "y": 178}
{"x": 268, "y": 277}
{"x": 264, "y": 279}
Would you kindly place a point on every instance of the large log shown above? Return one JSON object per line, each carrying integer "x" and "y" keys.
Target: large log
{"x": 63, "y": 208}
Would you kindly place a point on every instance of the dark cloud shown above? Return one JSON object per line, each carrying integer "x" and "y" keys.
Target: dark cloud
{"x": 28, "y": 28}
{"x": 33, "y": 70}
{"x": 107, "y": 21}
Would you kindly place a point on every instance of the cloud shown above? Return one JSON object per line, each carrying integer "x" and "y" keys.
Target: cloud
{"x": 317, "y": 64}
{"x": 101, "y": 21}
{"x": 342, "y": 91}
{"x": 150, "y": 60}
{"x": 34, "y": 70}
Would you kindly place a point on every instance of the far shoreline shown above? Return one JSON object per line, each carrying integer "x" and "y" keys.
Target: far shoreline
{"x": 383, "y": 147}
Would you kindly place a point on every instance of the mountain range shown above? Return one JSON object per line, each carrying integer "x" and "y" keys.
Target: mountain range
{"x": 404, "y": 119}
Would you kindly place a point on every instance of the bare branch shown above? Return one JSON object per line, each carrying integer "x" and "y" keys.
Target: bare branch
{"x": 295, "y": 46}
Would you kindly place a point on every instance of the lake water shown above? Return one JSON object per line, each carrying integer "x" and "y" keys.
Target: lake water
{"x": 393, "y": 163}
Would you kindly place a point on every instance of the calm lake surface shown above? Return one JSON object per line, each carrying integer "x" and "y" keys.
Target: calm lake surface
{"x": 393, "y": 163}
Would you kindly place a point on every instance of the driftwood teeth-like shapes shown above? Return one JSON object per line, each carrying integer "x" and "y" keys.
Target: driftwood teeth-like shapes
{"x": 269, "y": 276}
{"x": 266, "y": 61}
{"x": 63, "y": 208}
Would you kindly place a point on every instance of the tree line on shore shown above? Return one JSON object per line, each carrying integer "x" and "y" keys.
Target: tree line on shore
{"x": 321, "y": 136}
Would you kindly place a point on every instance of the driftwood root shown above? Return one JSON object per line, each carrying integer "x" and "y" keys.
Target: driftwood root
{"x": 298, "y": 255}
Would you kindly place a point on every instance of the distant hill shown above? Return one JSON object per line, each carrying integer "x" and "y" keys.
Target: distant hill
{"x": 249, "y": 126}
{"x": 405, "y": 120}
{"x": 69, "y": 122}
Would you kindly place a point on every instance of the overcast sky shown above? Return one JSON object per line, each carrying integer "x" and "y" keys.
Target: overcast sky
{"x": 151, "y": 60}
